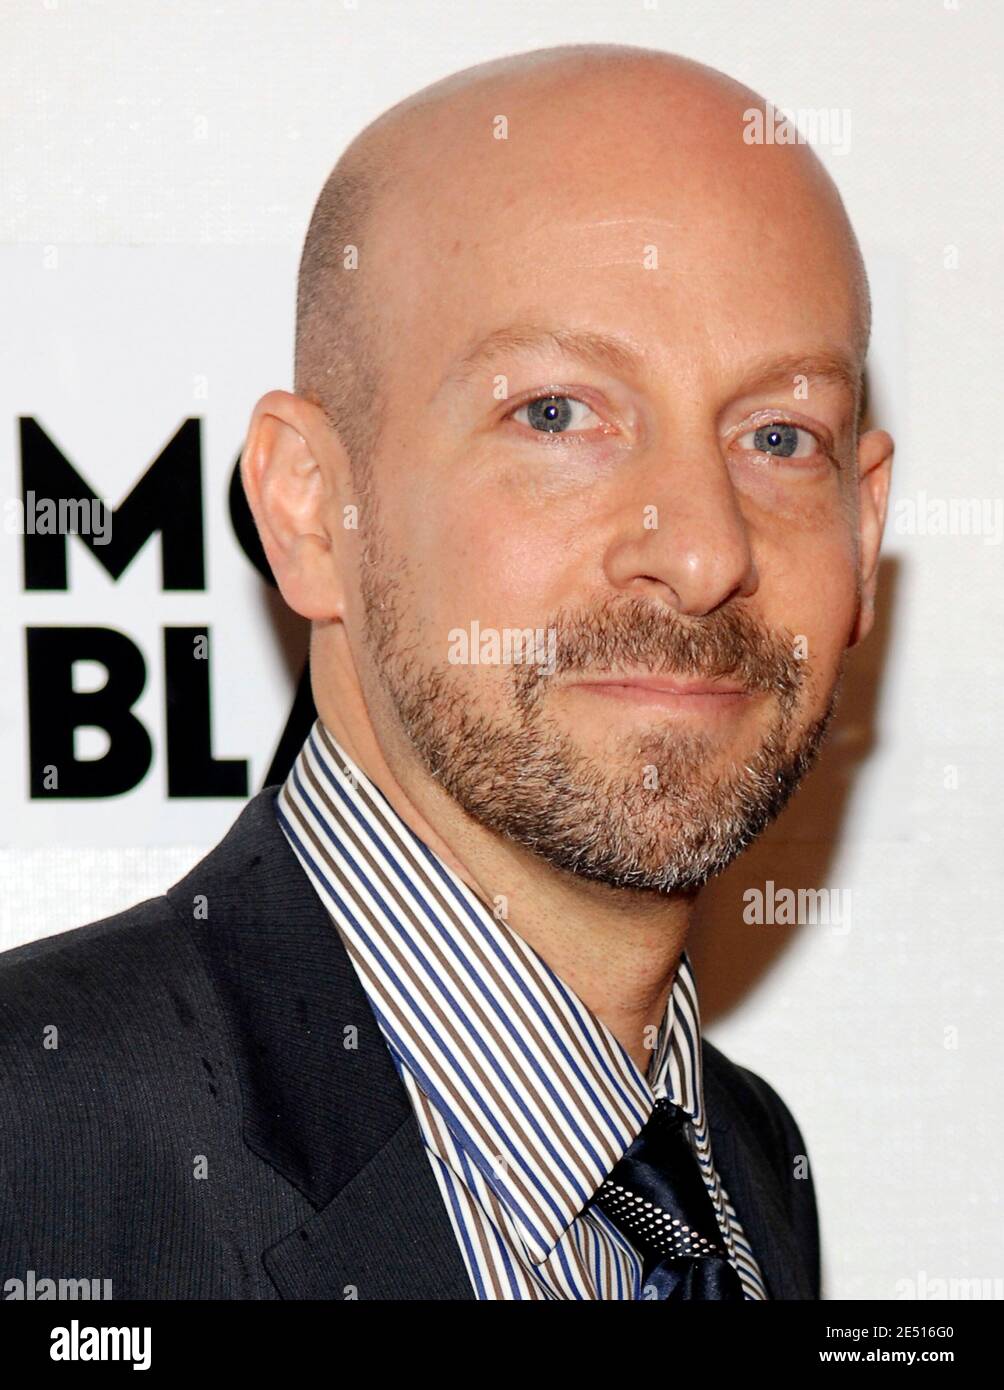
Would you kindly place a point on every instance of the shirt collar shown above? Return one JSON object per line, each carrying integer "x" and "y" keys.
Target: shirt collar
{"x": 534, "y": 1088}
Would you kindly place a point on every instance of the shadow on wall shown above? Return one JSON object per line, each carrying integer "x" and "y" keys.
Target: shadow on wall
{"x": 730, "y": 956}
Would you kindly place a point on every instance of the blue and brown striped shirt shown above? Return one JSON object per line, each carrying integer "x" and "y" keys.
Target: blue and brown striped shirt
{"x": 525, "y": 1100}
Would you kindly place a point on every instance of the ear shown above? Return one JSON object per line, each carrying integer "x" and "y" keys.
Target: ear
{"x": 875, "y": 451}
{"x": 295, "y": 470}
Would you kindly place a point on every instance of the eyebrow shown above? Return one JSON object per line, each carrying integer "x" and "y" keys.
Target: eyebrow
{"x": 600, "y": 348}
{"x": 605, "y": 350}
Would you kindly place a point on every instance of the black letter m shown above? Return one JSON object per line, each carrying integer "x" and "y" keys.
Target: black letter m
{"x": 167, "y": 498}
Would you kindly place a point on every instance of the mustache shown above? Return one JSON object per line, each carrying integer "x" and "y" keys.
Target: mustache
{"x": 632, "y": 635}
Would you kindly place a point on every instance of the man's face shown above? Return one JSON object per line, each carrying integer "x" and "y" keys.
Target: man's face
{"x": 671, "y": 511}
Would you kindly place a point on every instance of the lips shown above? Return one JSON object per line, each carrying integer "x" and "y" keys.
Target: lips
{"x": 667, "y": 685}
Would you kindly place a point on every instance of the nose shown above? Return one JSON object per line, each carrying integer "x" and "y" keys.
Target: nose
{"x": 681, "y": 536}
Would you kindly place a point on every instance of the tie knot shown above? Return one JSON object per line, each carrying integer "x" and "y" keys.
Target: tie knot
{"x": 657, "y": 1196}
{"x": 666, "y": 1115}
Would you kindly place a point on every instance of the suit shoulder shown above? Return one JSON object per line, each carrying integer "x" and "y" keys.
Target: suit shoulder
{"x": 74, "y": 950}
{"x": 760, "y": 1102}
{"x": 102, "y": 977}
{"x": 777, "y": 1131}
{"x": 141, "y": 950}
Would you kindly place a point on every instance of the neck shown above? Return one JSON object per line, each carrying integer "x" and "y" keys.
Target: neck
{"x": 617, "y": 949}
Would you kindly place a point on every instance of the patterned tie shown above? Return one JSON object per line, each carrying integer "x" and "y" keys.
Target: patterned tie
{"x": 656, "y": 1196}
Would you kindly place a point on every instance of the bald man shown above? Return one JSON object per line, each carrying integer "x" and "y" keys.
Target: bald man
{"x": 574, "y": 492}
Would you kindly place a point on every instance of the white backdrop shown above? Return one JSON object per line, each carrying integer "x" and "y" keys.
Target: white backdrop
{"x": 159, "y": 163}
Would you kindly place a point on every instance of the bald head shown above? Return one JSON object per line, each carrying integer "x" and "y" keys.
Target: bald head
{"x": 336, "y": 339}
{"x": 596, "y": 358}
{"x": 507, "y": 142}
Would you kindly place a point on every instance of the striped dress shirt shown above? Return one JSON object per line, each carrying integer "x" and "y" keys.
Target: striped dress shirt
{"x": 524, "y": 1099}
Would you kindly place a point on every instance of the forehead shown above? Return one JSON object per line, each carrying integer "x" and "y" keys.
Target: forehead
{"x": 709, "y": 252}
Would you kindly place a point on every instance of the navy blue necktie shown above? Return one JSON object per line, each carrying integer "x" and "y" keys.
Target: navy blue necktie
{"x": 656, "y": 1196}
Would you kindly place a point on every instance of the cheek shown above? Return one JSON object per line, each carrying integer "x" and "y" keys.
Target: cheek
{"x": 477, "y": 562}
{"x": 811, "y": 589}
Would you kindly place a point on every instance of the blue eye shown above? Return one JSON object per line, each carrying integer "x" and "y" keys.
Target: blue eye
{"x": 781, "y": 440}
{"x": 552, "y": 414}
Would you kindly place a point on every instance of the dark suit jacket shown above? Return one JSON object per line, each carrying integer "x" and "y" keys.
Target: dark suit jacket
{"x": 204, "y": 1126}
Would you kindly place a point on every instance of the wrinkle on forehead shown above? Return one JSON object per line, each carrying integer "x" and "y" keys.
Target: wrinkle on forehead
{"x": 596, "y": 242}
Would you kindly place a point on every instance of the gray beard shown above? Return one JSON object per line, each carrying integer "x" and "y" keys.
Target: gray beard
{"x": 655, "y": 820}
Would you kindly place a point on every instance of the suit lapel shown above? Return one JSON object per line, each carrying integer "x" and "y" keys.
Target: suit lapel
{"x": 379, "y": 1238}
{"x": 322, "y": 1100}
{"x": 753, "y": 1189}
